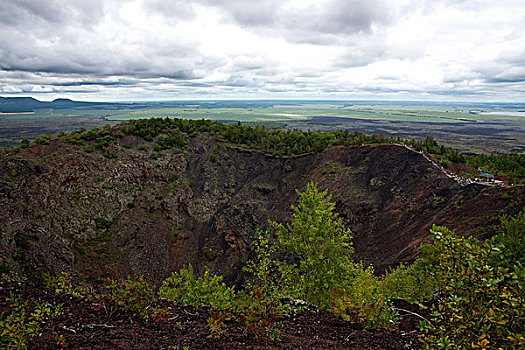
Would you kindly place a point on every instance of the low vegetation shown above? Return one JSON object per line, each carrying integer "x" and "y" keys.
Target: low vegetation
{"x": 476, "y": 290}
{"x": 24, "y": 322}
{"x": 480, "y": 299}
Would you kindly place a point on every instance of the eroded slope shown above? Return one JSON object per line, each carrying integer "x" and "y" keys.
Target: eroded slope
{"x": 62, "y": 208}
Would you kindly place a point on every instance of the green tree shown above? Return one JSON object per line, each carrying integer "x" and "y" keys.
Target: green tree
{"x": 317, "y": 238}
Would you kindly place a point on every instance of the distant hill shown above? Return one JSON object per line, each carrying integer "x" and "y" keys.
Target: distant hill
{"x": 29, "y": 104}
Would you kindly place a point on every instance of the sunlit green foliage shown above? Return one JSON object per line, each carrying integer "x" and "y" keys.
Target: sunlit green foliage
{"x": 364, "y": 302}
{"x": 187, "y": 289}
{"x": 317, "y": 238}
{"x": 134, "y": 294}
{"x": 480, "y": 288}
{"x": 416, "y": 282}
{"x": 270, "y": 280}
{"x": 511, "y": 234}
{"x": 62, "y": 284}
{"x": 481, "y": 305}
{"x": 19, "y": 326}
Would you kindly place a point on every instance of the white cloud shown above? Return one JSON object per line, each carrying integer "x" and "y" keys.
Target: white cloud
{"x": 136, "y": 49}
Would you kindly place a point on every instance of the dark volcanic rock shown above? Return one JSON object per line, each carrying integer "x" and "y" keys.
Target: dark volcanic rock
{"x": 64, "y": 209}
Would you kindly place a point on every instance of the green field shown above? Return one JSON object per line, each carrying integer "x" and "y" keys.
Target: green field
{"x": 297, "y": 112}
{"x": 460, "y": 125}
{"x": 278, "y": 112}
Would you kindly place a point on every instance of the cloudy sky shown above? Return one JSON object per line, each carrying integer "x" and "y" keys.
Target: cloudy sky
{"x": 206, "y": 49}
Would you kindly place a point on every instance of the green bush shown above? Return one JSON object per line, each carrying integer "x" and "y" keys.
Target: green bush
{"x": 4, "y": 268}
{"x": 109, "y": 154}
{"x": 410, "y": 283}
{"x": 482, "y": 305}
{"x": 25, "y": 143}
{"x": 511, "y": 233}
{"x": 209, "y": 251}
{"x": 187, "y": 289}
{"x": 62, "y": 284}
{"x": 173, "y": 177}
{"x": 134, "y": 294}
{"x": 270, "y": 280}
{"x": 103, "y": 142}
{"x": 43, "y": 140}
{"x": 364, "y": 302}
{"x": 155, "y": 155}
{"x": 20, "y": 325}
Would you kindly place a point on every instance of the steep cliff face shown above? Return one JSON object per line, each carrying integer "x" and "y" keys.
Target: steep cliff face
{"x": 64, "y": 209}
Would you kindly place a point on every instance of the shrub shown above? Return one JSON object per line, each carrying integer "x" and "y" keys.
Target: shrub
{"x": 109, "y": 154}
{"x": 4, "y": 268}
{"x": 155, "y": 155}
{"x": 184, "y": 288}
{"x": 414, "y": 283}
{"x": 43, "y": 140}
{"x": 173, "y": 177}
{"x": 216, "y": 323}
{"x": 209, "y": 251}
{"x": 19, "y": 326}
{"x": 482, "y": 305}
{"x": 364, "y": 302}
{"x": 134, "y": 294}
{"x": 512, "y": 235}
{"x": 25, "y": 143}
{"x": 62, "y": 284}
{"x": 260, "y": 305}
{"x": 103, "y": 142}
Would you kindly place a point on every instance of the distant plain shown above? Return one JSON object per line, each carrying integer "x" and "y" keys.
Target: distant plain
{"x": 467, "y": 127}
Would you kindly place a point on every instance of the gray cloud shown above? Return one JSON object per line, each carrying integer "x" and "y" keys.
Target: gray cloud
{"x": 50, "y": 12}
{"x": 175, "y": 9}
{"x": 227, "y": 47}
{"x": 59, "y": 38}
{"x": 324, "y": 25}
{"x": 254, "y": 13}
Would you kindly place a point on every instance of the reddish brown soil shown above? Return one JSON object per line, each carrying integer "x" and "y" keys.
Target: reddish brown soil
{"x": 80, "y": 326}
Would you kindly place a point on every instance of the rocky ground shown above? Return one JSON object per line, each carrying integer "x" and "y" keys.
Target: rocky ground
{"x": 65, "y": 207}
{"x": 81, "y": 326}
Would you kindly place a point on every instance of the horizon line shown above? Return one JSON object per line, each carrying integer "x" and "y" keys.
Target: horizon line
{"x": 271, "y": 99}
